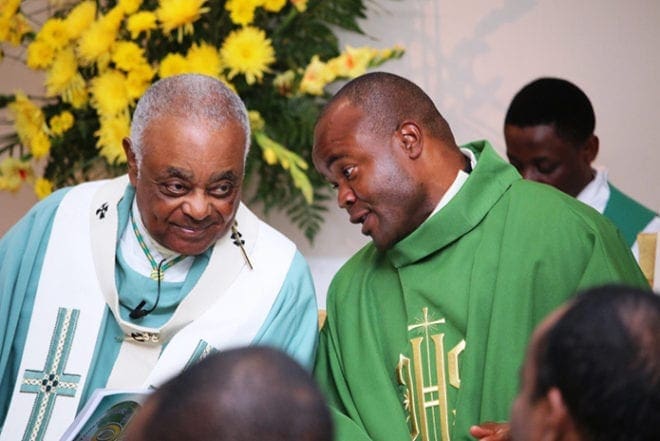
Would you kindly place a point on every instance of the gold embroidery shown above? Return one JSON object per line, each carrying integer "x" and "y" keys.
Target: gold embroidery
{"x": 405, "y": 378}
{"x": 452, "y": 364}
{"x": 144, "y": 337}
{"x": 425, "y": 393}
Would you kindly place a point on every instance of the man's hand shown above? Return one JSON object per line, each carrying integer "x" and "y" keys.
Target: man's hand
{"x": 491, "y": 431}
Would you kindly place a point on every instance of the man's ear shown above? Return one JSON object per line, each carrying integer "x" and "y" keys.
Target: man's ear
{"x": 131, "y": 160}
{"x": 559, "y": 420}
{"x": 590, "y": 149}
{"x": 410, "y": 137}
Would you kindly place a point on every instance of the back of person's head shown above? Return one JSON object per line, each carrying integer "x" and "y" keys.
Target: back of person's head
{"x": 556, "y": 102}
{"x": 245, "y": 394}
{"x": 388, "y": 100}
{"x": 603, "y": 355}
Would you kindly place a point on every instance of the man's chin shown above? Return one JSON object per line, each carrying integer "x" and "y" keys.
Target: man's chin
{"x": 193, "y": 243}
{"x": 191, "y": 247}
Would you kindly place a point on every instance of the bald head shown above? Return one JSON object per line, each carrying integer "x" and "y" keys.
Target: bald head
{"x": 247, "y": 394}
{"x": 593, "y": 370}
{"x": 388, "y": 100}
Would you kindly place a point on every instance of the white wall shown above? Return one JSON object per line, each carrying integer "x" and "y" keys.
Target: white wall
{"x": 472, "y": 56}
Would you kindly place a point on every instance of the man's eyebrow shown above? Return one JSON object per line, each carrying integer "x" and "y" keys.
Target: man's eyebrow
{"x": 333, "y": 158}
{"x": 175, "y": 172}
{"x": 229, "y": 175}
{"x": 178, "y": 173}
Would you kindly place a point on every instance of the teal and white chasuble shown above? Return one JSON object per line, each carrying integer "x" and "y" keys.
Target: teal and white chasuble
{"x": 76, "y": 336}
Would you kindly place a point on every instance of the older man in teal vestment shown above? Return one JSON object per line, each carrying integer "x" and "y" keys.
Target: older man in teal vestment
{"x": 123, "y": 283}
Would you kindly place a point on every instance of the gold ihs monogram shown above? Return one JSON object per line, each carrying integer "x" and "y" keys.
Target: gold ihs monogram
{"x": 425, "y": 380}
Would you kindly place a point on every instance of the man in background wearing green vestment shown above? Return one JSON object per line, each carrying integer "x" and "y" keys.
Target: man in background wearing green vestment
{"x": 549, "y": 134}
{"x": 427, "y": 325}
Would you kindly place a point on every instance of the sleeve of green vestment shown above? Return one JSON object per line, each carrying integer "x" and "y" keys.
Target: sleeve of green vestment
{"x": 328, "y": 373}
{"x": 612, "y": 261}
{"x": 22, "y": 251}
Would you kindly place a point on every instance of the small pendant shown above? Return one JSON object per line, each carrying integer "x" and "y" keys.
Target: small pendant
{"x": 156, "y": 275}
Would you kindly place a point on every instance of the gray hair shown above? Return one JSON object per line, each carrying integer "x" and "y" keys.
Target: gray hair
{"x": 191, "y": 96}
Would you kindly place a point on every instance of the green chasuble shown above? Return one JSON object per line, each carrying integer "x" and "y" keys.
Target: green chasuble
{"x": 426, "y": 339}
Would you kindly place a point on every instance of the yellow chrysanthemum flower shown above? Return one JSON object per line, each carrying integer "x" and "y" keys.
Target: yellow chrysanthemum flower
{"x": 274, "y": 5}
{"x": 8, "y": 11}
{"x": 13, "y": 173}
{"x": 8, "y": 8}
{"x": 75, "y": 92}
{"x": 249, "y": 52}
{"x": 317, "y": 75}
{"x": 25, "y": 111}
{"x": 180, "y": 15}
{"x": 109, "y": 94}
{"x": 42, "y": 188}
{"x": 61, "y": 122}
{"x": 80, "y": 18}
{"x": 204, "y": 58}
{"x": 55, "y": 33}
{"x": 172, "y": 64}
{"x": 113, "y": 19}
{"x": 138, "y": 80}
{"x": 110, "y": 135}
{"x": 143, "y": 21}
{"x": 40, "y": 55}
{"x": 40, "y": 144}
{"x": 126, "y": 54}
{"x": 98, "y": 38}
{"x": 300, "y": 5}
{"x": 28, "y": 118}
{"x": 241, "y": 12}
{"x": 61, "y": 73}
{"x": 15, "y": 29}
{"x": 129, "y": 6}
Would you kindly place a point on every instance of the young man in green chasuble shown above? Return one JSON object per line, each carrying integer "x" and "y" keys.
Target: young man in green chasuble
{"x": 427, "y": 325}
{"x": 549, "y": 134}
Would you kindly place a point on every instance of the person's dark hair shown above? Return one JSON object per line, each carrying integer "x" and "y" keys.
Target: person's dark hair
{"x": 556, "y": 102}
{"x": 603, "y": 354}
{"x": 245, "y": 394}
{"x": 388, "y": 100}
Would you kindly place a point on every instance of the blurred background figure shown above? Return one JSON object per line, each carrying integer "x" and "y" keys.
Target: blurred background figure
{"x": 549, "y": 134}
{"x": 245, "y": 394}
{"x": 592, "y": 370}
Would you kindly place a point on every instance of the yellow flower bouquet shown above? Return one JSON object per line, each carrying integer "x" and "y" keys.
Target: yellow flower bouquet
{"x": 98, "y": 57}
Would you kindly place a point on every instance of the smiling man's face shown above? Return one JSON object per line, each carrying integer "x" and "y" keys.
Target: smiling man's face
{"x": 188, "y": 184}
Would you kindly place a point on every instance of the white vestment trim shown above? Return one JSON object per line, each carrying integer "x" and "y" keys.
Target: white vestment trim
{"x": 226, "y": 308}
{"x": 67, "y": 281}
